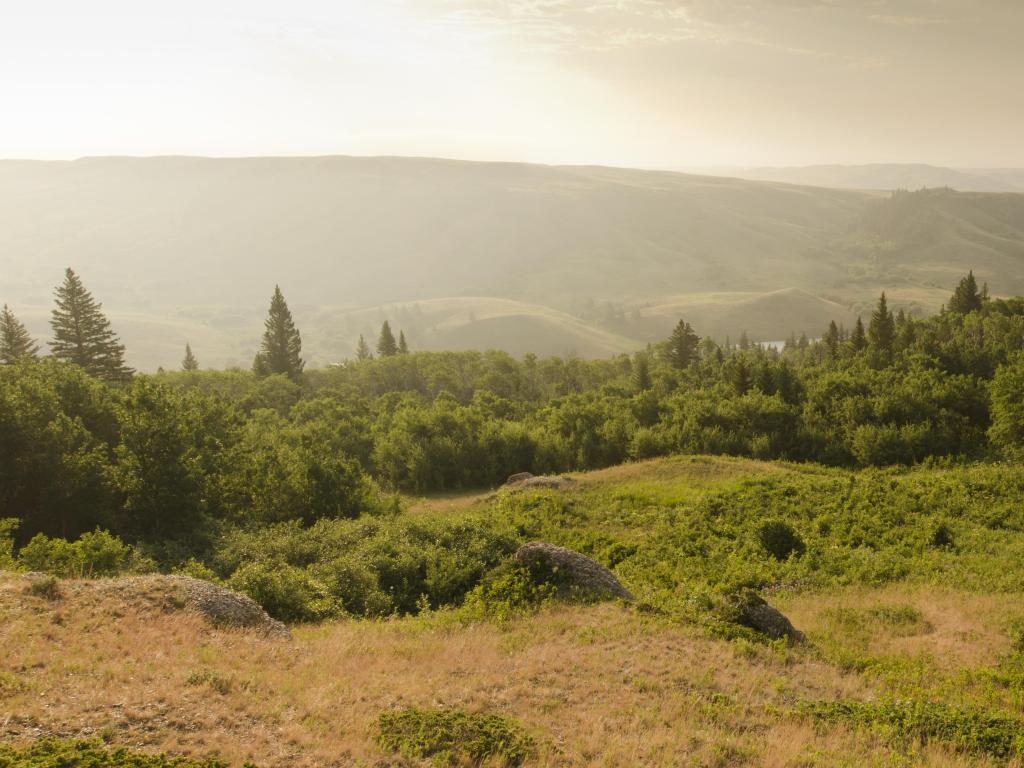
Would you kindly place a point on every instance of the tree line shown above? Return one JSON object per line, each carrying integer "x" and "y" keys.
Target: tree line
{"x": 171, "y": 458}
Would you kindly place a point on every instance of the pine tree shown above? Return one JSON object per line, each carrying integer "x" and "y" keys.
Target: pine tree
{"x": 682, "y": 345}
{"x": 82, "y": 334}
{"x": 386, "y": 346}
{"x": 189, "y": 363}
{"x": 832, "y": 340}
{"x": 744, "y": 341}
{"x": 966, "y": 298}
{"x": 882, "y": 328}
{"x": 740, "y": 376}
{"x": 363, "y": 349}
{"x": 281, "y": 350}
{"x": 403, "y": 348}
{"x": 641, "y": 373}
{"x": 15, "y": 343}
{"x": 858, "y": 339}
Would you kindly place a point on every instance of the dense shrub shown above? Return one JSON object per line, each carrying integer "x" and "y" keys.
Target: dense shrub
{"x": 967, "y": 730}
{"x": 52, "y": 753}
{"x": 780, "y": 540}
{"x": 93, "y": 554}
{"x": 453, "y": 737}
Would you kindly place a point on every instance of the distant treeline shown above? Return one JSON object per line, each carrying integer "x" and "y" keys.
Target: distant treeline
{"x": 171, "y": 458}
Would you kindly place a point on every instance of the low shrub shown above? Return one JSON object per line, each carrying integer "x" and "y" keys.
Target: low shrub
{"x": 53, "y": 753}
{"x": 973, "y": 731}
{"x": 509, "y": 592}
{"x": 780, "y": 540}
{"x": 47, "y": 587}
{"x": 93, "y": 554}
{"x": 453, "y": 737}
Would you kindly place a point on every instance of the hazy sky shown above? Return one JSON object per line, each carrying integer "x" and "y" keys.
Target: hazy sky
{"x": 628, "y": 82}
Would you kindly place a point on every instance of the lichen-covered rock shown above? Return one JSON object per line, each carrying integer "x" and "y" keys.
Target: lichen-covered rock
{"x": 577, "y": 569}
{"x": 219, "y": 605}
{"x": 541, "y": 481}
{"x": 760, "y": 616}
{"x": 518, "y": 477}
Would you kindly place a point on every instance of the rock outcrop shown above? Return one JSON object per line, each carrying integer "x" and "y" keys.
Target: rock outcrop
{"x": 577, "y": 569}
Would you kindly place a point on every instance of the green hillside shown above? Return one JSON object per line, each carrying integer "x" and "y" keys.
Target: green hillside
{"x": 189, "y": 249}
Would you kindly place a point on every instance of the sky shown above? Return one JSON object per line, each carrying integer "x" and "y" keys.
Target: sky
{"x": 643, "y": 83}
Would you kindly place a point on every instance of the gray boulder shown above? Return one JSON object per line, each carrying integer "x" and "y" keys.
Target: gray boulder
{"x": 758, "y": 615}
{"x": 578, "y": 569}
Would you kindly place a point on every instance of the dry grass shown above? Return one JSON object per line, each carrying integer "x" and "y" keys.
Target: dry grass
{"x": 596, "y": 686}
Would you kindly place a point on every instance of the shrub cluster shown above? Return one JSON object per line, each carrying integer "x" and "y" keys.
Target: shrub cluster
{"x": 452, "y": 737}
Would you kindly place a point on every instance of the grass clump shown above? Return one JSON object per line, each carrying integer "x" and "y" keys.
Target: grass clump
{"x": 973, "y": 731}
{"x": 452, "y": 737}
{"x": 46, "y": 587}
{"x": 53, "y": 753}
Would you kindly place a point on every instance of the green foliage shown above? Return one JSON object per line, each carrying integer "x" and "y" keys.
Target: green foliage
{"x": 52, "y": 753}
{"x": 780, "y": 540}
{"x": 452, "y": 737}
{"x": 281, "y": 348}
{"x": 8, "y": 525}
{"x": 967, "y": 730}
{"x": 93, "y": 554}
{"x": 15, "y": 342}
{"x": 506, "y": 594}
{"x": 1007, "y": 431}
{"x": 82, "y": 334}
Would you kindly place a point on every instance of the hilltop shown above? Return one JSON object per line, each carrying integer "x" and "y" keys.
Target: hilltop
{"x": 576, "y": 260}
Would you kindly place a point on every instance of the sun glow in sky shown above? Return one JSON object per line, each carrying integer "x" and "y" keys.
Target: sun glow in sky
{"x": 651, "y": 83}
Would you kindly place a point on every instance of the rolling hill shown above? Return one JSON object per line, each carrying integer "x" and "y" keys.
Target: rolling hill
{"x": 494, "y": 254}
{"x": 889, "y": 176}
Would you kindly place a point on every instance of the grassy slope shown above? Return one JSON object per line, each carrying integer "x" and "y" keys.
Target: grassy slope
{"x": 599, "y": 685}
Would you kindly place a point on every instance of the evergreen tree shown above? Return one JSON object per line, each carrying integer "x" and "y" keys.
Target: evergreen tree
{"x": 832, "y": 340}
{"x": 403, "y": 348}
{"x": 966, "y": 298}
{"x": 858, "y": 339}
{"x": 740, "y": 375}
{"x": 189, "y": 363}
{"x": 363, "y": 349}
{"x": 804, "y": 342}
{"x": 386, "y": 345}
{"x": 82, "y": 334}
{"x": 682, "y": 345}
{"x": 882, "y": 328}
{"x": 281, "y": 350}
{"x": 641, "y": 373}
{"x": 744, "y": 341}
{"x": 15, "y": 343}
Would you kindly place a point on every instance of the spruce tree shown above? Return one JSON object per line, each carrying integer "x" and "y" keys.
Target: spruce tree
{"x": 281, "y": 350}
{"x": 882, "y": 328}
{"x": 641, "y": 373}
{"x": 189, "y": 363}
{"x": 82, "y": 334}
{"x": 386, "y": 345}
{"x": 832, "y": 340}
{"x": 403, "y": 347}
{"x": 967, "y": 298}
{"x": 363, "y": 349}
{"x": 858, "y": 339}
{"x": 15, "y": 343}
{"x": 682, "y": 345}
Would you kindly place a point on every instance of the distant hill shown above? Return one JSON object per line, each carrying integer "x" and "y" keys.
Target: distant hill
{"x": 566, "y": 260}
{"x": 889, "y": 176}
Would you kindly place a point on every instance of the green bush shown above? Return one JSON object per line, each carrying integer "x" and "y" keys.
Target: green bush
{"x": 508, "y": 593}
{"x": 287, "y": 593}
{"x": 52, "y": 753}
{"x": 780, "y": 540}
{"x": 966, "y": 730}
{"x": 93, "y": 554}
{"x": 453, "y": 737}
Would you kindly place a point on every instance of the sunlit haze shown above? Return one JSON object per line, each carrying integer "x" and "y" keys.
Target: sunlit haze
{"x": 626, "y": 82}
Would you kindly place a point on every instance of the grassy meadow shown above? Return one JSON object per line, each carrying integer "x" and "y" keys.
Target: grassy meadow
{"x": 906, "y": 582}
